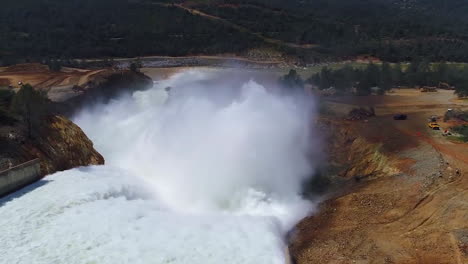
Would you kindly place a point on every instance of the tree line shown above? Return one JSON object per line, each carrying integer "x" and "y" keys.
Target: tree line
{"x": 386, "y": 76}
{"x": 28, "y": 107}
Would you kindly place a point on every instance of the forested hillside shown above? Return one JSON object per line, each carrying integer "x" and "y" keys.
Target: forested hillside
{"x": 100, "y": 28}
{"x": 393, "y": 30}
{"x": 312, "y": 30}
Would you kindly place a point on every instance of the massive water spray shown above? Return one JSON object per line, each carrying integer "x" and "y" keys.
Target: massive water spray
{"x": 209, "y": 172}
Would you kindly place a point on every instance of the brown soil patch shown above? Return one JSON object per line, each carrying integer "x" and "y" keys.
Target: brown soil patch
{"x": 419, "y": 215}
{"x": 40, "y": 77}
{"x": 405, "y": 165}
{"x": 164, "y": 73}
{"x": 4, "y": 82}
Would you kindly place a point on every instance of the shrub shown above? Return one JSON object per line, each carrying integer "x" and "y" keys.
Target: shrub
{"x": 463, "y": 131}
{"x": 31, "y": 106}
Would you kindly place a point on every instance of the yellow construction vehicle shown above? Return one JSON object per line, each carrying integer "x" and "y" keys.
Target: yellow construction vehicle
{"x": 433, "y": 125}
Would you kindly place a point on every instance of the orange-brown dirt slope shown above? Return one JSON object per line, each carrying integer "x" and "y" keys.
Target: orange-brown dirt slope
{"x": 70, "y": 87}
{"x": 405, "y": 197}
{"x": 58, "y": 84}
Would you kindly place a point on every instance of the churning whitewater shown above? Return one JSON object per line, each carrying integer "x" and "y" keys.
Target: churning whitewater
{"x": 208, "y": 171}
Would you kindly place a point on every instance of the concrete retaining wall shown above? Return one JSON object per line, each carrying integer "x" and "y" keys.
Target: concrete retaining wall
{"x": 19, "y": 176}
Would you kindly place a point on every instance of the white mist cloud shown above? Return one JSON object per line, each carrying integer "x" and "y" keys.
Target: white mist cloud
{"x": 220, "y": 144}
{"x": 211, "y": 176}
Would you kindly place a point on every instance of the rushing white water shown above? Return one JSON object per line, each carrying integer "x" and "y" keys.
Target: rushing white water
{"x": 209, "y": 174}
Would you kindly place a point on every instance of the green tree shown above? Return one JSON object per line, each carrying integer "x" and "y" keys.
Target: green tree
{"x": 386, "y": 81}
{"x": 31, "y": 106}
{"x": 364, "y": 87}
{"x": 136, "y": 65}
{"x": 343, "y": 79}
{"x": 325, "y": 78}
{"x": 424, "y": 72}
{"x": 6, "y": 96}
{"x": 442, "y": 72}
{"x": 54, "y": 65}
{"x": 397, "y": 74}
{"x": 461, "y": 85}
{"x": 372, "y": 74}
{"x": 292, "y": 80}
{"x": 412, "y": 77}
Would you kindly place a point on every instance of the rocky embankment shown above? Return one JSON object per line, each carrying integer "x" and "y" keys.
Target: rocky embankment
{"x": 353, "y": 157}
{"x": 390, "y": 203}
{"x": 59, "y": 145}
{"x": 62, "y": 146}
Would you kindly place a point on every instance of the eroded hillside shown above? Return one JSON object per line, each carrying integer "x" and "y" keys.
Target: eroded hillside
{"x": 400, "y": 200}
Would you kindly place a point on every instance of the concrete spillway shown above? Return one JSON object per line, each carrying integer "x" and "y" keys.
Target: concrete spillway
{"x": 19, "y": 176}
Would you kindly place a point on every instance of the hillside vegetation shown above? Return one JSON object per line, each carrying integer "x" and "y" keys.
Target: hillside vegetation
{"x": 109, "y": 28}
{"x": 386, "y": 76}
{"x": 393, "y": 30}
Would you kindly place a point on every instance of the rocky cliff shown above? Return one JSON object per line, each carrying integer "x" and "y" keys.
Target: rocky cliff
{"x": 60, "y": 145}
{"x": 58, "y": 142}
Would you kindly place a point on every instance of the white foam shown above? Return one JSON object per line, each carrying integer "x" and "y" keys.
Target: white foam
{"x": 196, "y": 179}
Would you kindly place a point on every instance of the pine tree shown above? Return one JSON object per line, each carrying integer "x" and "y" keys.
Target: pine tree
{"x": 372, "y": 75}
{"x": 397, "y": 75}
{"x": 412, "y": 73}
{"x": 292, "y": 80}
{"x": 461, "y": 84}
{"x": 136, "y": 65}
{"x": 31, "y": 106}
{"x": 442, "y": 72}
{"x": 386, "y": 82}
{"x": 325, "y": 78}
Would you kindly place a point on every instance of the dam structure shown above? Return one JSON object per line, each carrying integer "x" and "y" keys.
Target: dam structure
{"x": 17, "y": 177}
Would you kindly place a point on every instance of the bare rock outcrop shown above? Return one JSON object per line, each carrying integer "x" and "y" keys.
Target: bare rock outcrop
{"x": 60, "y": 145}
{"x": 355, "y": 157}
